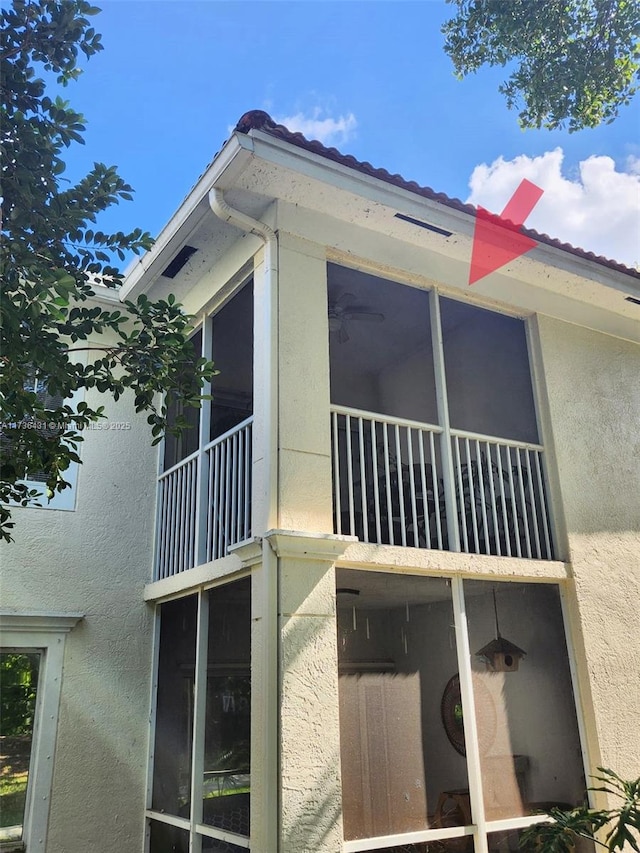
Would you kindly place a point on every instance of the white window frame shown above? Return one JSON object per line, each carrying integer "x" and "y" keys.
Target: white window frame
{"x": 44, "y": 633}
{"x": 65, "y": 500}
{"x": 194, "y": 826}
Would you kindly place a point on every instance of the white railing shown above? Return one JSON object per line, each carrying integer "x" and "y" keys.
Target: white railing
{"x": 387, "y": 479}
{"x": 390, "y": 487}
{"x": 204, "y": 503}
{"x": 501, "y": 502}
{"x": 176, "y": 525}
{"x": 228, "y": 519}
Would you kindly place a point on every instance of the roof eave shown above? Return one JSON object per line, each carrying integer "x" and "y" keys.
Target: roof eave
{"x": 243, "y": 147}
{"x": 221, "y": 172}
{"x": 450, "y": 215}
{"x": 257, "y": 121}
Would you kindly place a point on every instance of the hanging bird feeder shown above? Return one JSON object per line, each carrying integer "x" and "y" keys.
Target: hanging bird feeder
{"x": 500, "y": 655}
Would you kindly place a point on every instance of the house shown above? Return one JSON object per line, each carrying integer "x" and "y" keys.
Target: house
{"x": 383, "y": 595}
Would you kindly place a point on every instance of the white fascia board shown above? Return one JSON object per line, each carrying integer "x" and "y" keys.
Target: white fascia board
{"x": 583, "y": 268}
{"x": 232, "y": 159}
{"x": 315, "y": 166}
{"x": 107, "y": 295}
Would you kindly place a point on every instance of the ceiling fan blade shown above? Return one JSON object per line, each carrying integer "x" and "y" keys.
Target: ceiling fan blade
{"x": 344, "y": 300}
{"x": 367, "y": 316}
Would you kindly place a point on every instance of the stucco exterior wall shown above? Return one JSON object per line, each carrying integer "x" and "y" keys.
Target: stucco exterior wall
{"x": 305, "y": 490}
{"x": 594, "y": 407}
{"x": 96, "y": 560}
{"x": 311, "y": 802}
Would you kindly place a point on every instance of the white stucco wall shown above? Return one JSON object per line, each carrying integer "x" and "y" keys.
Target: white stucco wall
{"x": 96, "y": 560}
{"x": 310, "y": 788}
{"x": 594, "y": 406}
{"x": 304, "y": 479}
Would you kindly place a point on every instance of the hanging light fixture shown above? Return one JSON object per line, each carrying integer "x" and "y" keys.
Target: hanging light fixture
{"x": 500, "y": 655}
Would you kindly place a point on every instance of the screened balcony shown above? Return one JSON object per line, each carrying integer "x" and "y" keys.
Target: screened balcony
{"x": 434, "y": 431}
{"x": 204, "y": 489}
{"x": 433, "y": 446}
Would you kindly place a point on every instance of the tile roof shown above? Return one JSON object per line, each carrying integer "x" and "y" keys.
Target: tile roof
{"x": 260, "y": 120}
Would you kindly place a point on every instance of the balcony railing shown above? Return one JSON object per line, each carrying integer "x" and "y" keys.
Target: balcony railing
{"x": 204, "y": 503}
{"x": 394, "y": 485}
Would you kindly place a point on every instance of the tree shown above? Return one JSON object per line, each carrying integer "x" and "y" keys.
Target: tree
{"x": 19, "y": 679}
{"x": 52, "y": 260}
{"x": 576, "y": 61}
{"x": 610, "y": 829}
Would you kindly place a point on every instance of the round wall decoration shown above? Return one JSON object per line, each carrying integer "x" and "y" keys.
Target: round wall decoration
{"x": 452, "y": 715}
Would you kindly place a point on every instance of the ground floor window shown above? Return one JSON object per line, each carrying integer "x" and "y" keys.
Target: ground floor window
{"x": 200, "y": 780}
{"x": 457, "y": 715}
{"x": 19, "y": 678}
{"x": 31, "y": 658}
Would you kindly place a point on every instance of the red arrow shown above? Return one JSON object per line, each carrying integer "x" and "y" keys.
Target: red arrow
{"x": 497, "y": 239}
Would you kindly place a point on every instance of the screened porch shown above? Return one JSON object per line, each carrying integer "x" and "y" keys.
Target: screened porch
{"x": 433, "y": 423}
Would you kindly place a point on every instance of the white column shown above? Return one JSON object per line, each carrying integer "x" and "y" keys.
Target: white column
{"x": 304, "y": 480}
{"x": 310, "y": 783}
{"x": 443, "y": 420}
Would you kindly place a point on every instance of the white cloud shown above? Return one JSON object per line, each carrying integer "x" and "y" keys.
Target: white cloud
{"x": 598, "y": 210}
{"x": 633, "y": 164}
{"x": 317, "y": 125}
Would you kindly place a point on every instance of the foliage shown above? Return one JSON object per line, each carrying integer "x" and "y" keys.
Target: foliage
{"x": 19, "y": 682}
{"x": 13, "y": 797}
{"x": 615, "y": 825}
{"x": 576, "y": 61}
{"x": 53, "y": 261}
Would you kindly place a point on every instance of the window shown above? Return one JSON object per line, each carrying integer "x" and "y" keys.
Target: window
{"x": 66, "y": 499}
{"x": 201, "y": 759}
{"x": 179, "y": 447}
{"x": 487, "y": 370}
{"x": 31, "y": 657}
{"x": 19, "y": 678}
{"x": 413, "y": 653}
{"x": 382, "y": 357}
{"x": 384, "y": 365}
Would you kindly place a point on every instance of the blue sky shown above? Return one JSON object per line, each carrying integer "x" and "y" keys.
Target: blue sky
{"x": 369, "y": 77}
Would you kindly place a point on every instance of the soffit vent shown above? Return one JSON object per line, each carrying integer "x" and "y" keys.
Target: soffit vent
{"x": 632, "y": 299}
{"x": 422, "y": 224}
{"x": 179, "y": 261}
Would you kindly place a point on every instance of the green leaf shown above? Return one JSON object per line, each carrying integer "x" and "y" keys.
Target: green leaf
{"x": 571, "y": 64}
{"x": 49, "y": 259}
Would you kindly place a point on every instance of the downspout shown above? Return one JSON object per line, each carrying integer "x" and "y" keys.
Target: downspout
{"x": 270, "y": 375}
{"x": 266, "y": 839}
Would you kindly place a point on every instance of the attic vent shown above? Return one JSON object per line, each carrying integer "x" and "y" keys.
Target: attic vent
{"x": 179, "y": 261}
{"x": 422, "y": 224}
{"x": 632, "y": 299}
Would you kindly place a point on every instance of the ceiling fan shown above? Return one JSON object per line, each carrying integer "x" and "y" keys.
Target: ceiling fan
{"x": 344, "y": 310}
